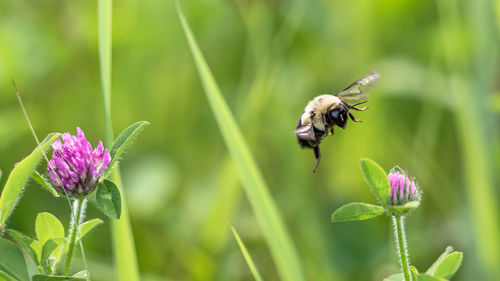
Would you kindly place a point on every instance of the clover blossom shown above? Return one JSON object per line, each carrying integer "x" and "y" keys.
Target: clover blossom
{"x": 403, "y": 188}
{"x": 75, "y": 168}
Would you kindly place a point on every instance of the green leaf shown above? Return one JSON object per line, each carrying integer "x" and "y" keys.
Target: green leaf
{"x": 12, "y": 260}
{"x": 32, "y": 247}
{"x": 82, "y": 274}
{"x": 248, "y": 258}
{"x": 88, "y": 226}
{"x": 414, "y": 273}
{"x": 18, "y": 177}
{"x": 108, "y": 199}
{"x": 4, "y": 276}
{"x": 56, "y": 278}
{"x": 46, "y": 184}
{"x": 449, "y": 265}
{"x": 376, "y": 178}
{"x": 0, "y": 174}
{"x": 271, "y": 223}
{"x": 434, "y": 266}
{"x": 426, "y": 277}
{"x": 49, "y": 247}
{"x": 356, "y": 211}
{"x": 47, "y": 226}
{"x": 396, "y": 169}
{"x": 125, "y": 256}
{"x": 125, "y": 138}
{"x": 403, "y": 209}
{"x": 395, "y": 277}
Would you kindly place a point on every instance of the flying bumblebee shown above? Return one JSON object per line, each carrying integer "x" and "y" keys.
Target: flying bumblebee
{"x": 324, "y": 112}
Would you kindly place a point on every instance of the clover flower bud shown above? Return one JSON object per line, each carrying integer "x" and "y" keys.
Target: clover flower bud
{"x": 405, "y": 193}
{"x": 75, "y": 167}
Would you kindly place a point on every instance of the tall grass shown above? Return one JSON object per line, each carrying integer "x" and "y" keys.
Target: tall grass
{"x": 122, "y": 236}
{"x": 470, "y": 80}
{"x": 277, "y": 237}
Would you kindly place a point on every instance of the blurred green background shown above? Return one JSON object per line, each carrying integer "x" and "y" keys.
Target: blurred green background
{"x": 435, "y": 112}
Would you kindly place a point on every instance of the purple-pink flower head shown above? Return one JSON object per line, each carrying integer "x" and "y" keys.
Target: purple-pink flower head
{"x": 75, "y": 167}
{"x": 403, "y": 188}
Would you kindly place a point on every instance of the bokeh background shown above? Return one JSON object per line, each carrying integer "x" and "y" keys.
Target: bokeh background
{"x": 435, "y": 112}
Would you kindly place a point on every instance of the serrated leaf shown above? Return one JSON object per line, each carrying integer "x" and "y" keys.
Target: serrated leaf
{"x": 124, "y": 139}
{"x": 376, "y": 178}
{"x": 449, "y": 265}
{"x": 433, "y": 267}
{"x": 426, "y": 277}
{"x": 12, "y": 260}
{"x": 395, "y": 277}
{"x": 356, "y": 211}
{"x": 248, "y": 258}
{"x": 88, "y": 226}
{"x": 108, "y": 199}
{"x": 19, "y": 176}
{"x": 56, "y": 278}
{"x": 33, "y": 247}
{"x": 47, "y": 185}
{"x": 47, "y": 226}
{"x": 49, "y": 247}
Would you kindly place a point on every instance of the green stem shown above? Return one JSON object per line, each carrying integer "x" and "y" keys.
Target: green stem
{"x": 76, "y": 215}
{"x": 399, "y": 232}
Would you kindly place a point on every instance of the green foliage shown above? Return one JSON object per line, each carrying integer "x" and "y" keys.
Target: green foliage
{"x": 426, "y": 277}
{"x": 435, "y": 265}
{"x": 12, "y": 260}
{"x": 56, "y": 278}
{"x": 18, "y": 177}
{"x": 49, "y": 248}
{"x": 87, "y": 226}
{"x": 449, "y": 265}
{"x": 47, "y": 226}
{"x": 277, "y": 238}
{"x": 31, "y": 246}
{"x": 356, "y": 211}
{"x": 108, "y": 199}
{"x": 45, "y": 183}
{"x": 248, "y": 258}
{"x": 395, "y": 277}
{"x": 376, "y": 178}
{"x": 125, "y": 138}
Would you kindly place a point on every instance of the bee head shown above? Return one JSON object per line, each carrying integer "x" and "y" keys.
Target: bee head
{"x": 339, "y": 116}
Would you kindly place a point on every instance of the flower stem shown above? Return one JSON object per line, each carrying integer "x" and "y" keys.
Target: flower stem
{"x": 399, "y": 233}
{"x": 76, "y": 217}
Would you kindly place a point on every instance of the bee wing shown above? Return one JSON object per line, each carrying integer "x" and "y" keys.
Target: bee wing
{"x": 358, "y": 90}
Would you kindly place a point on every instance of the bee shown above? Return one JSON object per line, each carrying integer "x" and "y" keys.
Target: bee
{"x": 325, "y": 111}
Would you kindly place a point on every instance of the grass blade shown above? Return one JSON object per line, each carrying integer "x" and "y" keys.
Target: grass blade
{"x": 19, "y": 176}
{"x": 123, "y": 240}
{"x": 244, "y": 251}
{"x": 270, "y": 221}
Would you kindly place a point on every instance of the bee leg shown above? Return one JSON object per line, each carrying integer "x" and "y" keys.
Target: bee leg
{"x": 317, "y": 154}
{"x": 354, "y": 118}
{"x": 358, "y": 109}
{"x": 328, "y": 131}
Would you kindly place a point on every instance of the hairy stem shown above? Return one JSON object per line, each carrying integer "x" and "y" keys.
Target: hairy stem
{"x": 76, "y": 218}
{"x": 399, "y": 233}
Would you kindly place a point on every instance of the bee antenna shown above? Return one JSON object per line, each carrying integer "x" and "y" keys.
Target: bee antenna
{"x": 351, "y": 106}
